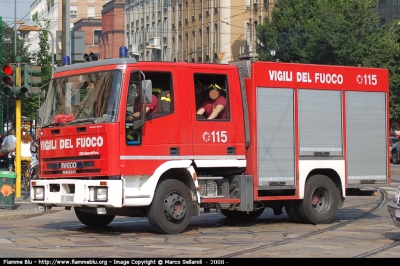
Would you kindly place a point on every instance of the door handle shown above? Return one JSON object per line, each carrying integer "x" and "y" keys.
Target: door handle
{"x": 174, "y": 151}
{"x": 231, "y": 150}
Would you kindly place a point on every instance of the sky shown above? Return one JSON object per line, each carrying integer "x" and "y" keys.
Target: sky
{"x": 7, "y": 11}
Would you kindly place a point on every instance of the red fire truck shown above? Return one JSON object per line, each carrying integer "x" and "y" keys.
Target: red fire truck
{"x": 293, "y": 137}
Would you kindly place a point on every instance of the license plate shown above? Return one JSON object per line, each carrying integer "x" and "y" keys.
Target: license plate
{"x": 67, "y": 198}
{"x": 397, "y": 214}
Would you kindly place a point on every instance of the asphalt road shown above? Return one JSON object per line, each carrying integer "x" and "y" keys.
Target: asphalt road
{"x": 362, "y": 228}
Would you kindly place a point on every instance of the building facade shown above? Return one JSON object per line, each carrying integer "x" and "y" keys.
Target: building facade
{"x": 148, "y": 29}
{"x": 388, "y": 11}
{"x": 51, "y": 10}
{"x": 112, "y": 36}
{"x": 209, "y": 31}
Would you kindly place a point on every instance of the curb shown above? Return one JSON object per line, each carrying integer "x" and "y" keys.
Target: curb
{"x": 26, "y": 215}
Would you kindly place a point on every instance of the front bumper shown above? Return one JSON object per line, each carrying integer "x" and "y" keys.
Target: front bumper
{"x": 75, "y": 192}
{"x": 394, "y": 211}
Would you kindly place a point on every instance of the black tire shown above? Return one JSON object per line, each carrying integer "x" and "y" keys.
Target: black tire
{"x": 291, "y": 212}
{"x": 326, "y": 197}
{"x": 242, "y": 215}
{"x": 93, "y": 219}
{"x": 171, "y": 209}
{"x": 25, "y": 178}
{"x": 395, "y": 157}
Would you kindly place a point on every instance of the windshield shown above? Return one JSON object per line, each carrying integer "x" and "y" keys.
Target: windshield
{"x": 89, "y": 98}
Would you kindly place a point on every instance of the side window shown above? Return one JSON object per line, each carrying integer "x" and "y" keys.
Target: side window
{"x": 161, "y": 101}
{"x": 212, "y": 97}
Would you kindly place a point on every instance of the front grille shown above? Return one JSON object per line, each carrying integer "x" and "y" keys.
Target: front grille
{"x": 63, "y": 172}
{"x": 72, "y": 165}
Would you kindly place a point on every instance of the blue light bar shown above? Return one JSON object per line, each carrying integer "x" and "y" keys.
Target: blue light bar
{"x": 66, "y": 60}
{"x": 123, "y": 52}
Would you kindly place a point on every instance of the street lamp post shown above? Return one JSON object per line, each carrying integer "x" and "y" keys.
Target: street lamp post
{"x": 15, "y": 31}
{"x": 26, "y": 29}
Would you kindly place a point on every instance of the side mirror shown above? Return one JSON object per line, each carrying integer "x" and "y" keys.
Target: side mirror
{"x": 147, "y": 90}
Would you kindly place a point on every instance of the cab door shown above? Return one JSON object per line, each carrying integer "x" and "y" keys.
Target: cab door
{"x": 218, "y": 141}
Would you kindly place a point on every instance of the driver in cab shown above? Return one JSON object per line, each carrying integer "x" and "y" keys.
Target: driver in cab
{"x": 149, "y": 109}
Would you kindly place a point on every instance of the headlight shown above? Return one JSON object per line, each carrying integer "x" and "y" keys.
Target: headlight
{"x": 38, "y": 193}
{"x": 101, "y": 194}
{"x": 396, "y": 196}
{"x": 98, "y": 193}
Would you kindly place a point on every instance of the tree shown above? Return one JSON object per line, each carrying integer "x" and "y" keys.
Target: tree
{"x": 333, "y": 32}
{"x": 8, "y": 39}
{"x": 43, "y": 59}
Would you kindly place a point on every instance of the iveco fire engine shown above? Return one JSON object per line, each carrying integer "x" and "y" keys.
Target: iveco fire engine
{"x": 294, "y": 137}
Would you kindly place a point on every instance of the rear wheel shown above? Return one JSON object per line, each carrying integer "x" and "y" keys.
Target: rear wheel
{"x": 292, "y": 212}
{"x": 171, "y": 209}
{"x": 241, "y": 214}
{"x": 321, "y": 200}
{"x": 93, "y": 219}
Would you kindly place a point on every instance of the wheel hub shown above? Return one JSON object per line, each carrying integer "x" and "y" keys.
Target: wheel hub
{"x": 174, "y": 206}
{"x": 320, "y": 200}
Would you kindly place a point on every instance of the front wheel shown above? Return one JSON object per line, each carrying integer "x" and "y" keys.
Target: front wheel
{"x": 26, "y": 178}
{"x": 171, "y": 209}
{"x": 93, "y": 219}
{"x": 34, "y": 172}
{"x": 321, "y": 200}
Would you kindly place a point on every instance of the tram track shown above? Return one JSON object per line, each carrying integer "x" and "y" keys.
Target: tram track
{"x": 379, "y": 205}
{"x": 100, "y": 240}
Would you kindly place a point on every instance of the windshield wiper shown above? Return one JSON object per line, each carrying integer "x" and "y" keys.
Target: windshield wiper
{"x": 83, "y": 120}
{"x": 55, "y": 124}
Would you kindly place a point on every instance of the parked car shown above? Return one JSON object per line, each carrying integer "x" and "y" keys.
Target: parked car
{"x": 394, "y": 208}
{"x": 393, "y": 142}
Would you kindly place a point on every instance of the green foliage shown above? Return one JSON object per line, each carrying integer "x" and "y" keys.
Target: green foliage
{"x": 35, "y": 16}
{"x": 49, "y": 4}
{"x": 8, "y": 39}
{"x": 333, "y": 32}
{"x": 43, "y": 59}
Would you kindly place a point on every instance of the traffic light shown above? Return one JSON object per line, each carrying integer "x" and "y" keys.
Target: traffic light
{"x": 31, "y": 79}
{"x": 20, "y": 92}
{"x": 8, "y": 79}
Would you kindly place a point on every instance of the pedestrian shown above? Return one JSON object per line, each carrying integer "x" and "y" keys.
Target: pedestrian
{"x": 10, "y": 140}
{"x": 26, "y": 144}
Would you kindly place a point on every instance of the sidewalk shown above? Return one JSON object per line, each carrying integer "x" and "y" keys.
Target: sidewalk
{"x": 23, "y": 208}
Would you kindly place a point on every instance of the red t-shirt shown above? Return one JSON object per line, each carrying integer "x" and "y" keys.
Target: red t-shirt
{"x": 209, "y": 106}
{"x": 153, "y": 105}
